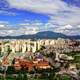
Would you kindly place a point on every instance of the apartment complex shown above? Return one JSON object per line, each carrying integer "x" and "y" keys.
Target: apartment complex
{"x": 32, "y": 46}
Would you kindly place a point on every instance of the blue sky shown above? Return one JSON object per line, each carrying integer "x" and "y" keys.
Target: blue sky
{"x": 18, "y": 17}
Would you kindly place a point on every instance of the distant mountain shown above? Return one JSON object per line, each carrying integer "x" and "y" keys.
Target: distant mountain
{"x": 74, "y": 37}
{"x": 41, "y": 35}
{"x": 50, "y": 35}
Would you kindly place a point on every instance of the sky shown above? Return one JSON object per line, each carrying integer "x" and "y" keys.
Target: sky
{"x": 23, "y": 17}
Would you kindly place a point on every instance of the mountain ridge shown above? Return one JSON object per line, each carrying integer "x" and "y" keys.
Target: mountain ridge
{"x": 42, "y": 35}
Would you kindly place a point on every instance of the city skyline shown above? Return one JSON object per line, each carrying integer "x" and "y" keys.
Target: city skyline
{"x": 22, "y": 17}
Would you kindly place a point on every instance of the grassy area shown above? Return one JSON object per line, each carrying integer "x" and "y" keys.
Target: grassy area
{"x": 65, "y": 77}
{"x": 10, "y": 77}
{"x": 19, "y": 77}
{"x": 75, "y": 55}
{"x": 77, "y": 58}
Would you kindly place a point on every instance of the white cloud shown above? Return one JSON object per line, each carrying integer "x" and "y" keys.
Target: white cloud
{"x": 65, "y": 18}
{"x": 7, "y": 30}
{"x": 7, "y": 13}
{"x": 29, "y": 30}
{"x": 68, "y": 30}
{"x": 78, "y": 26}
{"x": 60, "y": 13}
{"x": 2, "y": 26}
{"x": 44, "y": 6}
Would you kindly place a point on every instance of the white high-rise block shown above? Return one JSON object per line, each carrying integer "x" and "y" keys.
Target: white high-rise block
{"x": 23, "y": 48}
